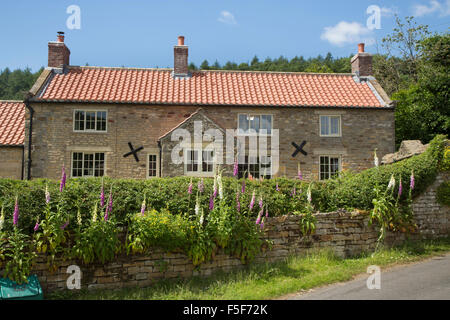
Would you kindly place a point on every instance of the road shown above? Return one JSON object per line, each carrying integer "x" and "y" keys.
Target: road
{"x": 427, "y": 280}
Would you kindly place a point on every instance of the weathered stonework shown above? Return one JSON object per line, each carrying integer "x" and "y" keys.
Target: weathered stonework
{"x": 11, "y": 162}
{"x": 54, "y": 140}
{"x": 345, "y": 233}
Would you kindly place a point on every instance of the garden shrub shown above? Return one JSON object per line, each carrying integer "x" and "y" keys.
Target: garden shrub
{"x": 443, "y": 193}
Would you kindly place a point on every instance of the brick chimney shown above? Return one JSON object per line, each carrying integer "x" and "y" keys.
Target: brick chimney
{"x": 58, "y": 53}
{"x": 180, "y": 54}
{"x": 362, "y": 62}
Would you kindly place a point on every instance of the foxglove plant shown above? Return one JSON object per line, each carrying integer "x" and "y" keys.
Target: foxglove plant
{"x": 36, "y": 226}
{"x": 235, "y": 167}
{"x": 219, "y": 182}
{"x": 94, "y": 215}
{"x": 79, "y": 220}
{"x": 277, "y": 188}
{"x": 260, "y": 202}
{"x": 308, "y": 194}
{"x": 201, "y": 186}
{"x": 197, "y": 206}
{"x": 63, "y": 179}
{"x": 143, "y": 207}
{"x": 2, "y": 218}
{"x": 411, "y": 181}
{"x": 47, "y": 195}
{"x": 391, "y": 183}
{"x": 190, "y": 187}
{"x": 102, "y": 196}
{"x": 400, "y": 188}
{"x": 16, "y": 213}
{"x": 238, "y": 203}
{"x": 211, "y": 203}
{"x": 252, "y": 201}
{"x": 109, "y": 207}
{"x": 243, "y": 186}
{"x": 65, "y": 225}
{"x": 375, "y": 158}
{"x": 299, "y": 172}
{"x": 258, "y": 220}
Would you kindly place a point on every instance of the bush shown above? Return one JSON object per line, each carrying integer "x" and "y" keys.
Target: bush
{"x": 443, "y": 193}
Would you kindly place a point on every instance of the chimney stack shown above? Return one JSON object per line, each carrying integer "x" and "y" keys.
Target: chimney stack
{"x": 362, "y": 62}
{"x": 58, "y": 53}
{"x": 180, "y": 52}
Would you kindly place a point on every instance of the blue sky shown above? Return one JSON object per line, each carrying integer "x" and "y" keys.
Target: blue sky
{"x": 138, "y": 33}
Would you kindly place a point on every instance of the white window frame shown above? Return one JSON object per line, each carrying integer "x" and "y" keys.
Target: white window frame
{"x": 148, "y": 165}
{"x": 268, "y": 171}
{"x": 329, "y": 164}
{"x": 255, "y": 115}
{"x": 199, "y": 172}
{"x": 329, "y": 125}
{"x": 90, "y": 130}
{"x": 82, "y": 166}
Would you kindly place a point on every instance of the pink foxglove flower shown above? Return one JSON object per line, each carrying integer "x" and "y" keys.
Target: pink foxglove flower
{"x": 102, "y": 196}
{"x": 258, "y": 220}
{"x": 252, "y": 201}
{"x": 63, "y": 179}
{"x": 110, "y": 206}
{"x": 267, "y": 213}
{"x": 299, "y": 172}
{"x": 260, "y": 202}
{"x": 201, "y": 186}
{"x": 16, "y": 213}
{"x": 235, "y": 167}
{"x": 238, "y": 203}
{"x": 36, "y": 226}
{"x": 2, "y": 218}
{"x": 211, "y": 203}
{"x": 400, "y": 188}
{"x": 190, "y": 187}
{"x": 65, "y": 225}
{"x": 411, "y": 182}
{"x": 243, "y": 186}
{"x": 277, "y": 188}
{"x": 262, "y": 224}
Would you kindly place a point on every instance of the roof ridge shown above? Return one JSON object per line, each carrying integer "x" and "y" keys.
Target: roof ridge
{"x": 222, "y": 71}
{"x": 11, "y": 101}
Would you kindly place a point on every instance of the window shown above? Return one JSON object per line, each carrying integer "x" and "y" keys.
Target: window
{"x": 255, "y": 167}
{"x": 88, "y": 164}
{"x": 329, "y": 167}
{"x": 89, "y": 120}
{"x": 252, "y": 123}
{"x": 330, "y": 126}
{"x": 152, "y": 165}
{"x": 196, "y": 165}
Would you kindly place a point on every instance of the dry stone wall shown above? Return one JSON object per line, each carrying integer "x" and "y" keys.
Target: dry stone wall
{"x": 346, "y": 233}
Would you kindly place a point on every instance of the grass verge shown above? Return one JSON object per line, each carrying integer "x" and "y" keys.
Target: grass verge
{"x": 271, "y": 280}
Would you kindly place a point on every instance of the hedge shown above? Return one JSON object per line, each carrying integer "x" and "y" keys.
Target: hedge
{"x": 351, "y": 190}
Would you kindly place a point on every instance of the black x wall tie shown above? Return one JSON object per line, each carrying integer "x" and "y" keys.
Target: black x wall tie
{"x": 133, "y": 152}
{"x": 299, "y": 149}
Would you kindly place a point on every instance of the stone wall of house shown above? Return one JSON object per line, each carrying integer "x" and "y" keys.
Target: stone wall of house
{"x": 54, "y": 140}
{"x": 345, "y": 233}
{"x": 11, "y": 162}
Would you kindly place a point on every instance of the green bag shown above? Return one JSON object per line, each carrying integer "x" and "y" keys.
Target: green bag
{"x": 10, "y": 290}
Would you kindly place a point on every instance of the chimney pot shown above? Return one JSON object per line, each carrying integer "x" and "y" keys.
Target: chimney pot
{"x": 60, "y": 36}
{"x": 361, "y": 47}
{"x": 180, "y": 40}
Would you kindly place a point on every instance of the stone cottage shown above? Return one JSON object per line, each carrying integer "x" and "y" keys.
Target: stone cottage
{"x": 131, "y": 122}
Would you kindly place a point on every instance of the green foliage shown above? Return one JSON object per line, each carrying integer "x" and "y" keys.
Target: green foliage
{"x": 157, "y": 229}
{"x": 99, "y": 241}
{"x": 19, "y": 256}
{"x": 14, "y": 85}
{"x": 443, "y": 193}
{"x": 52, "y": 235}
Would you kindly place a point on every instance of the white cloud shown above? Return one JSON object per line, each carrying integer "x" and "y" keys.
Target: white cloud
{"x": 388, "y": 12}
{"x": 433, "y": 6}
{"x": 227, "y": 17}
{"x": 346, "y": 33}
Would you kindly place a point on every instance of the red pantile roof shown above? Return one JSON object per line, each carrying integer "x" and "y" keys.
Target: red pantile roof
{"x": 12, "y": 123}
{"x": 157, "y": 86}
